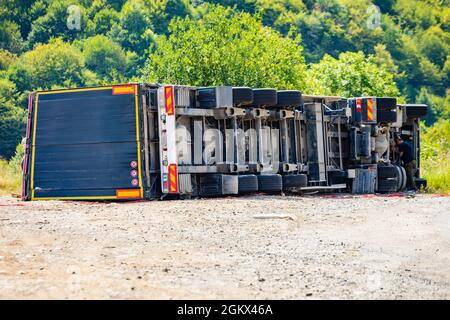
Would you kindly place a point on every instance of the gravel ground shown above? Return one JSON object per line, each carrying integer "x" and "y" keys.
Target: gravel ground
{"x": 305, "y": 248}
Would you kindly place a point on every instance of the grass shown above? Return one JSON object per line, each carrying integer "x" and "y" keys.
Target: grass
{"x": 10, "y": 178}
{"x": 435, "y": 156}
{"x": 437, "y": 172}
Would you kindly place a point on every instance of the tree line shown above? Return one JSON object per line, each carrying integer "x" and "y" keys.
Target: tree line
{"x": 335, "y": 47}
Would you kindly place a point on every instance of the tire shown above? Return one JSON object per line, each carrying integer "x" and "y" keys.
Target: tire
{"x": 206, "y": 97}
{"x": 248, "y": 183}
{"x": 399, "y": 178}
{"x": 289, "y": 98}
{"x": 242, "y": 96}
{"x": 386, "y": 110}
{"x": 264, "y": 97}
{"x": 294, "y": 182}
{"x": 387, "y": 172}
{"x": 270, "y": 183}
{"x": 403, "y": 178}
{"x": 387, "y": 185}
{"x": 416, "y": 111}
{"x": 210, "y": 185}
{"x": 230, "y": 184}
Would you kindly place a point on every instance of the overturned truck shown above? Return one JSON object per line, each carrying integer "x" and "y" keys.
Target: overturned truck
{"x": 154, "y": 141}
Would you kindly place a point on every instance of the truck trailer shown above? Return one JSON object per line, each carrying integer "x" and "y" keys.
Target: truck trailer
{"x": 155, "y": 141}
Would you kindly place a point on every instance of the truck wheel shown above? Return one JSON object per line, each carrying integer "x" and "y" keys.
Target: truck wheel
{"x": 403, "y": 171}
{"x": 399, "y": 178}
{"x": 270, "y": 183}
{"x": 387, "y": 172}
{"x": 230, "y": 184}
{"x": 289, "y": 98}
{"x": 387, "y": 185}
{"x": 248, "y": 183}
{"x": 242, "y": 96}
{"x": 264, "y": 97}
{"x": 206, "y": 97}
{"x": 210, "y": 185}
{"x": 294, "y": 182}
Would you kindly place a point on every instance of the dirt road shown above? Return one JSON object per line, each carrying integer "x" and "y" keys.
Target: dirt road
{"x": 376, "y": 248}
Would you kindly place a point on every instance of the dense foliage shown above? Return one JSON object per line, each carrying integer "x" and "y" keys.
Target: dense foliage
{"x": 435, "y": 154}
{"x": 343, "y": 47}
{"x": 226, "y": 48}
{"x": 352, "y": 74}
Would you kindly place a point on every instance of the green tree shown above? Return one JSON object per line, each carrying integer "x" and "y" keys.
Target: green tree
{"x": 226, "y": 48}
{"x": 439, "y": 107}
{"x": 10, "y": 38}
{"x": 436, "y": 139}
{"x": 162, "y": 11}
{"x": 134, "y": 31}
{"x": 12, "y": 129}
{"x": 434, "y": 45}
{"x": 106, "y": 58}
{"x": 6, "y": 59}
{"x": 21, "y": 12}
{"x": 57, "y": 64}
{"x": 104, "y": 20}
{"x": 352, "y": 75}
{"x": 55, "y": 23}
{"x": 12, "y": 120}
{"x": 413, "y": 14}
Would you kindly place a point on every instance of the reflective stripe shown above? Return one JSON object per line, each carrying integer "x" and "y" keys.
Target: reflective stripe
{"x": 168, "y": 92}
{"x": 173, "y": 183}
{"x": 369, "y": 109}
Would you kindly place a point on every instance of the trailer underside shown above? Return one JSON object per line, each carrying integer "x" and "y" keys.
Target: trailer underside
{"x": 153, "y": 141}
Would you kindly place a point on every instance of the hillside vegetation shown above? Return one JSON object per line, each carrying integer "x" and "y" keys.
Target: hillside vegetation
{"x": 394, "y": 48}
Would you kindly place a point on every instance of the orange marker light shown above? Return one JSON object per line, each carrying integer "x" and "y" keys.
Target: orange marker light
{"x": 128, "y": 193}
{"x": 128, "y": 89}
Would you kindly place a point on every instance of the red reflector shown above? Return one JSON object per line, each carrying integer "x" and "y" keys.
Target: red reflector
{"x": 371, "y": 168}
{"x": 128, "y": 193}
{"x": 173, "y": 178}
{"x": 129, "y": 89}
{"x": 170, "y": 109}
{"x": 358, "y": 105}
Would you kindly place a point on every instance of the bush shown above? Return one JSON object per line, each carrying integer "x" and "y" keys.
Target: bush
{"x": 352, "y": 75}
{"x": 12, "y": 119}
{"x": 54, "y": 64}
{"x": 11, "y": 173}
{"x": 435, "y": 155}
{"x": 226, "y": 47}
{"x": 106, "y": 58}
